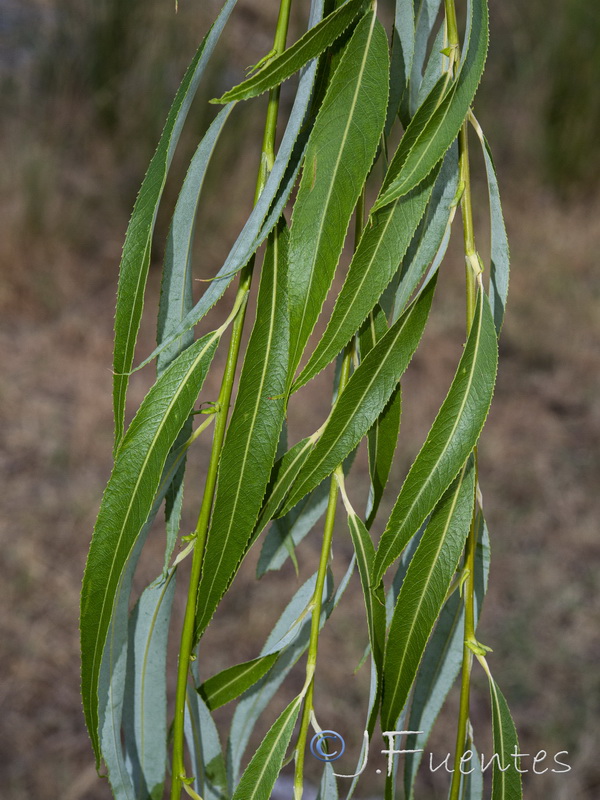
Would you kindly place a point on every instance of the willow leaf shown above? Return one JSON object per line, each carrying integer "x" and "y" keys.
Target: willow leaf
{"x": 127, "y": 502}
{"x": 383, "y": 436}
{"x": 291, "y": 634}
{"x": 446, "y": 121}
{"x": 424, "y": 590}
{"x": 451, "y": 438}
{"x": 403, "y": 50}
{"x": 146, "y": 718}
{"x": 339, "y": 155}
{"x": 473, "y": 780}
{"x": 269, "y": 206}
{"x": 379, "y": 254}
{"x": 442, "y": 663}
{"x": 500, "y": 254}
{"x": 176, "y": 288}
{"x": 234, "y": 681}
{"x": 364, "y": 397}
{"x": 252, "y": 435}
{"x": 135, "y": 260}
{"x": 506, "y": 780}
{"x": 430, "y": 241}
{"x": 260, "y": 775}
{"x": 309, "y": 46}
{"x": 426, "y": 14}
{"x": 365, "y": 553}
{"x": 328, "y": 789}
{"x": 111, "y": 687}
{"x": 204, "y": 746}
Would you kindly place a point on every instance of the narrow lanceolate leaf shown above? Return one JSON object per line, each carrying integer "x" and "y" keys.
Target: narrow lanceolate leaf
{"x": 445, "y": 123}
{"x": 424, "y": 590}
{"x": 382, "y": 246}
{"x": 453, "y": 435}
{"x": 430, "y": 241}
{"x": 127, "y": 502}
{"x": 506, "y": 780}
{"x": 365, "y": 553}
{"x": 253, "y": 433}
{"x": 146, "y": 713}
{"x": 383, "y": 436}
{"x": 309, "y": 46}
{"x": 442, "y": 663}
{"x": 270, "y": 205}
{"x": 339, "y": 155}
{"x": 426, "y": 14}
{"x": 138, "y": 240}
{"x": 403, "y": 50}
{"x": 260, "y": 775}
{"x": 234, "y": 681}
{"x": 364, "y": 397}
{"x": 206, "y": 755}
{"x": 500, "y": 254}
{"x": 176, "y": 289}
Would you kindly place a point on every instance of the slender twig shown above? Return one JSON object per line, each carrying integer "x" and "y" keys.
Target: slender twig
{"x": 472, "y": 276}
{"x": 200, "y": 534}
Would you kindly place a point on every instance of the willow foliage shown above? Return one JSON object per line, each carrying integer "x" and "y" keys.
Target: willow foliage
{"x": 356, "y": 87}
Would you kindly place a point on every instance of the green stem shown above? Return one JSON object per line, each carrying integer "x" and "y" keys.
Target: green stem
{"x": 317, "y": 603}
{"x": 188, "y": 631}
{"x": 472, "y": 271}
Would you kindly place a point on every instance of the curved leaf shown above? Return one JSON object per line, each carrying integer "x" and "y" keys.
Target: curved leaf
{"x": 234, "y": 681}
{"x": 424, "y": 590}
{"x": 269, "y": 206}
{"x": 260, "y": 775}
{"x": 127, "y": 502}
{"x": 382, "y": 246}
{"x": 309, "y": 46}
{"x": 506, "y": 780}
{"x": 445, "y": 122}
{"x": 451, "y": 438}
{"x": 339, "y": 155}
{"x": 252, "y": 435}
{"x": 146, "y": 716}
{"x": 135, "y": 261}
{"x": 442, "y": 663}
{"x": 364, "y": 397}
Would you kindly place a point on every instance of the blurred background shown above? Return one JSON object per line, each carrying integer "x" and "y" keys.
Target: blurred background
{"x": 84, "y": 91}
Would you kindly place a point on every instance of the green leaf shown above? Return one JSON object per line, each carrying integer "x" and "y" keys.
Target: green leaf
{"x": 111, "y": 687}
{"x": 506, "y": 783}
{"x": 473, "y": 781}
{"x": 252, "y": 436}
{"x": 176, "y": 288}
{"x": 328, "y": 787}
{"x": 260, "y": 775}
{"x": 444, "y": 124}
{"x": 234, "y": 681}
{"x": 429, "y": 243}
{"x": 127, "y": 502}
{"x": 383, "y": 244}
{"x": 442, "y": 663}
{"x": 309, "y": 46}
{"x": 138, "y": 240}
{"x": 383, "y": 436}
{"x": 204, "y": 746}
{"x": 290, "y": 635}
{"x": 339, "y": 155}
{"x": 453, "y": 435}
{"x": 426, "y": 15}
{"x": 403, "y": 50}
{"x": 270, "y": 204}
{"x": 500, "y": 254}
{"x": 364, "y": 397}
{"x": 283, "y": 476}
{"x": 365, "y": 553}
{"x": 424, "y": 590}
{"x": 146, "y": 716}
